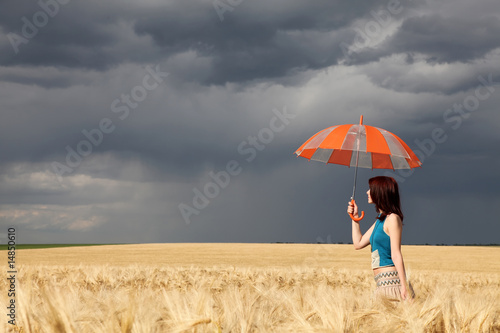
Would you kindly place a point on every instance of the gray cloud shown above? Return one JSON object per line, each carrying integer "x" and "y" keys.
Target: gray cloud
{"x": 225, "y": 79}
{"x": 257, "y": 40}
{"x": 394, "y": 72}
{"x": 448, "y": 39}
{"x": 439, "y": 39}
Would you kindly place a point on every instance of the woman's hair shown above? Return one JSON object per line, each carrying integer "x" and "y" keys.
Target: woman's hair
{"x": 385, "y": 195}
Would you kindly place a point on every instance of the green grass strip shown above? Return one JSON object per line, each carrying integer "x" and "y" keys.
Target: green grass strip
{"x": 46, "y": 246}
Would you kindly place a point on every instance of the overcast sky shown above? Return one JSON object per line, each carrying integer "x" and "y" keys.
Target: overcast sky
{"x": 176, "y": 121}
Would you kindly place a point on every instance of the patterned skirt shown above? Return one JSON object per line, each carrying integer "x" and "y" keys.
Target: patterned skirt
{"x": 388, "y": 285}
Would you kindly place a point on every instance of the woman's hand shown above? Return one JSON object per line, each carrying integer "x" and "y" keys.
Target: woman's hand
{"x": 352, "y": 208}
{"x": 404, "y": 294}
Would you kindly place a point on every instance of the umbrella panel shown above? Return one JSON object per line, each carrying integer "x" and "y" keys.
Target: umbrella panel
{"x": 365, "y": 160}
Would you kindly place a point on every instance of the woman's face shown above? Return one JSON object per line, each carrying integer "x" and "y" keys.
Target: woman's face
{"x": 369, "y": 197}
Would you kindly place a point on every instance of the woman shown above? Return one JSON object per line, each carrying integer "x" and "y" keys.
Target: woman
{"x": 385, "y": 238}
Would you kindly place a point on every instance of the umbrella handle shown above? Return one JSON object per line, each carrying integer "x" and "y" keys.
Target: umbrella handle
{"x": 358, "y": 218}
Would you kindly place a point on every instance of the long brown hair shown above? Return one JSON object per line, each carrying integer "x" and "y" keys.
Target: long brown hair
{"x": 385, "y": 195}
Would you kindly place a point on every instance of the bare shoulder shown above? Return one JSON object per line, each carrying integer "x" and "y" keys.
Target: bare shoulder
{"x": 393, "y": 220}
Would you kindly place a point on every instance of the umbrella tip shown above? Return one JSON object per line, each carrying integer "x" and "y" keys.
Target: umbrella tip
{"x": 361, "y": 120}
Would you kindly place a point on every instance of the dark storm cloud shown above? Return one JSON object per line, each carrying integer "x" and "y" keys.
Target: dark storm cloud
{"x": 396, "y": 73}
{"x": 440, "y": 39}
{"x": 84, "y": 35}
{"x": 225, "y": 78}
{"x": 256, "y": 40}
{"x": 447, "y": 39}
{"x": 46, "y": 77}
{"x": 177, "y": 132}
{"x": 260, "y": 39}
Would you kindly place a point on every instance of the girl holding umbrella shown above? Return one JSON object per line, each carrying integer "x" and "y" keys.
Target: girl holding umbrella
{"x": 364, "y": 146}
{"x": 385, "y": 238}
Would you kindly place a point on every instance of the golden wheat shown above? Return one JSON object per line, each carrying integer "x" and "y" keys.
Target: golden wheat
{"x": 304, "y": 297}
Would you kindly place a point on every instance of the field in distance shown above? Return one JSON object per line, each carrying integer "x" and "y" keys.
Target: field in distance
{"x": 248, "y": 288}
{"x": 435, "y": 258}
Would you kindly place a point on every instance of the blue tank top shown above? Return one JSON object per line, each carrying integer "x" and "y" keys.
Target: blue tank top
{"x": 381, "y": 246}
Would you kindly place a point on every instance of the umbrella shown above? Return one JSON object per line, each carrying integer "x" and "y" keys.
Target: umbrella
{"x": 359, "y": 146}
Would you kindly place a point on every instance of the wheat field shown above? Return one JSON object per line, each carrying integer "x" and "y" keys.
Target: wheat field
{"x": 248, "y": 288}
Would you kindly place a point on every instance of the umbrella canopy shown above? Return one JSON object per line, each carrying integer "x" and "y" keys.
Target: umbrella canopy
{"x": 359, "y": 145}
{"x": 371, "y": 147}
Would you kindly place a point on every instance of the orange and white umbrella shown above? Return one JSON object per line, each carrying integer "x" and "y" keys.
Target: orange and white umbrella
{"x": 359, "y": 145}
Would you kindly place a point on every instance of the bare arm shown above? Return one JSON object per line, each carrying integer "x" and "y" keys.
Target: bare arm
{"x": 395, "y": 227}
{"x": 358, "y": 240}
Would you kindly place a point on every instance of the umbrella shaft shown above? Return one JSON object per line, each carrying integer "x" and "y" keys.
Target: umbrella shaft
{"x": 356, "y": 170}
{"x": 355, "y": 177}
